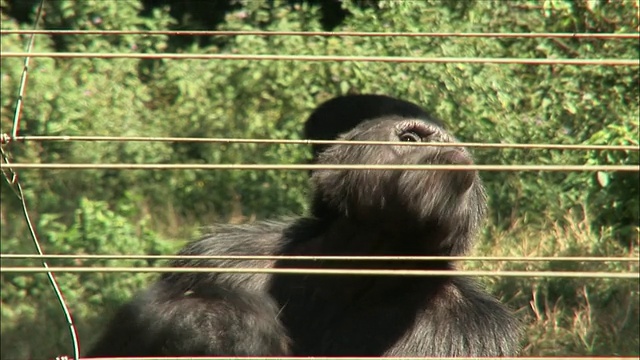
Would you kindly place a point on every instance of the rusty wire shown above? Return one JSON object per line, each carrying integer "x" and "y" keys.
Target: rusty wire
{"x": 581, "y": 62}
{"x": 323, "y": 271}
{"x": 147, "y": 166}
{"x": 362, "y": 358}
{"x": 317, "y": 258}
{"x": 327, "y": 34}
{"x": 322, "y": 58}
{"x": 66, "y": 138}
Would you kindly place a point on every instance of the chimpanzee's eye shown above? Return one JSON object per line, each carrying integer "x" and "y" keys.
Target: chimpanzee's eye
{"x": 410, "y": 136}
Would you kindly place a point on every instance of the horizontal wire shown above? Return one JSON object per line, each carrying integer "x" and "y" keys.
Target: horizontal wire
{"x": 325, "y": 33}
{"x": 123, "y": 166}
{"x": 365, "y": 358}
{"x": 329, "y": 58}
{"x": 331, "y": 257}
{"x": 389, "y": 59}
{"x": 26, "y": 138}
{"x": 305, "y": 271}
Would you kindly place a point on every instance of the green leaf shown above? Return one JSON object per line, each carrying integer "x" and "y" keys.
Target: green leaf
{"x": 603, "y": 178}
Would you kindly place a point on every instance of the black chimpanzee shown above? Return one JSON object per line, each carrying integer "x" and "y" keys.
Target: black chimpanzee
{"x": 353, "y": 212}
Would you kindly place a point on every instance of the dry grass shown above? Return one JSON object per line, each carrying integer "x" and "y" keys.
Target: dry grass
{"x": 567, "y": 316}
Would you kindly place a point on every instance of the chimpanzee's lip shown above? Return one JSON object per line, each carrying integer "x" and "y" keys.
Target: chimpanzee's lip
{"x": 456, "y": 156}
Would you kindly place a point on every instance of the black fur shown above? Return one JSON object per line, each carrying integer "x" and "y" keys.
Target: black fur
{"x": 354, "y": 212}
{"x": 341, "y": 114}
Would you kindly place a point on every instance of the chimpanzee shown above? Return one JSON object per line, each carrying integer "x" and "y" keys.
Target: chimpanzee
{"x": 353, "y": 212}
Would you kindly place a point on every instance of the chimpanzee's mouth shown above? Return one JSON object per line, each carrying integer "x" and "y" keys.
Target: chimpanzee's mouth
{"x": 455, "y": 156}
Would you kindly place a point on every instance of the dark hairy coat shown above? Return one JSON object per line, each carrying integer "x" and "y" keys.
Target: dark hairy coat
{"x": 353, "y": 212}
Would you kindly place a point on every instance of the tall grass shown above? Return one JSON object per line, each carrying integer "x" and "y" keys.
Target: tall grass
{"x": 566, "y": 316}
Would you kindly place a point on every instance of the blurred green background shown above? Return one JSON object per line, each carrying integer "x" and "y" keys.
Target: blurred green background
{"x": 154, "y": 212}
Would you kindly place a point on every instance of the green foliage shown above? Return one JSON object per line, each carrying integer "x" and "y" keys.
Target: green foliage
{"x": 29, "y": 309}
{"x": 104, "y": 211}
{"x": 615, "y": 196}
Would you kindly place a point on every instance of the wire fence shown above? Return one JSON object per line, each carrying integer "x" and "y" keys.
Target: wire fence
{"x": 120, "y": 166}
{"x": 10, "y": 168}
{"x": 329, "y": 258}
{"x": 305, "y": 271}
{"x": 324, "y": 58}
{"x": 367, "y": 34}
{"x": 368, "y": 358}
{"x": 580, "y": 147}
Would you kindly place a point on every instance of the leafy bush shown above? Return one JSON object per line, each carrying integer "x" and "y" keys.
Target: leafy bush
{"x": 29, "y": 309}
{"x": 105, "y": 211}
